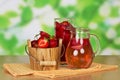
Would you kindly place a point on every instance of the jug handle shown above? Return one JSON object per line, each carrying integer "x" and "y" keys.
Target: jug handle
{"x": 97, "y": 44}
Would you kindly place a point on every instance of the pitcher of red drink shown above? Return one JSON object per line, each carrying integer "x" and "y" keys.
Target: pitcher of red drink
{"x": 62, "y": 31}
{"x": 79, "y": 52}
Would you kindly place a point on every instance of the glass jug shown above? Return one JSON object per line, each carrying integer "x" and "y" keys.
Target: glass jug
{"x": 61, "y": 31}
{"x": 79, "y": 52}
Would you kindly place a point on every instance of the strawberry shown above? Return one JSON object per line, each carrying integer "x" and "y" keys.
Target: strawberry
{"x": 53, "y": 42}
{"x": 43, "y": 42}
{"x": 44, "y": 34}
{"x": 67, "y": 35}
{"x": 68, "y": 25}
{"x": 65, "y": 23}
{"x": 58, "y": 25}
{"x": 34, "y": 43}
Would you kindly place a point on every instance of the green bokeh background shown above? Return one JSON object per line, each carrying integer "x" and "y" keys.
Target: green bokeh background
{"x": 30, "y": 16}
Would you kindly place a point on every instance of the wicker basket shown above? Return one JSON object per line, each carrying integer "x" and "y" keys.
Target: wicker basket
{"x": 44, "y": 58}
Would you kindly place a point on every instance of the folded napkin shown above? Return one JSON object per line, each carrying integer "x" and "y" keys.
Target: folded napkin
{"x": 24, "y": 69}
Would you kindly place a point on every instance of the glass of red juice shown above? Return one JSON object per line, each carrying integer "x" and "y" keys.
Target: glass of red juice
{"x": 63, "y": 26}
{"x": 79, "y": 52}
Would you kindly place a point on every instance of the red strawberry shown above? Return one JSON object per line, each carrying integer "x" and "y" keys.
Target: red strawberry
{"x": 67, "y": 35}
{"x": 43, "y": 42}
{"x": 34, "y": 43}
{"x": 65, "y": 23}
{"x": 58, "y": 25}
{"x": 68, "y": 25}
{"x": 59, "y": 34}
{"x": 44, "y": 34}
{"x": 53, "y": 42}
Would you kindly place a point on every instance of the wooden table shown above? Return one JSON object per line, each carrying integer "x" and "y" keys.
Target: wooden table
{"x": 105, "y": 75}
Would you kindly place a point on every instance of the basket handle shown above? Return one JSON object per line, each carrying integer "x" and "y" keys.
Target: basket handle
{"x": 26, "y": 50}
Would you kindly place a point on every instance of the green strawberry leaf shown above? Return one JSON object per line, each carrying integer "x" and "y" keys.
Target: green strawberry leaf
{"x": 48, "y": 29}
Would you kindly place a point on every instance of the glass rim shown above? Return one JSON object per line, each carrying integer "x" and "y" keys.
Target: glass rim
{"x": 63, "y": 18}
{"x": 83, "y": 29}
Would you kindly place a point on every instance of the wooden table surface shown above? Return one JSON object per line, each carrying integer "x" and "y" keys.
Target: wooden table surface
{"x": 105, "y": 75}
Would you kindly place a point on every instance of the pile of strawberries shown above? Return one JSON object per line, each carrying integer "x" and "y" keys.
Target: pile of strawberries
{"x": 45, "y": 41}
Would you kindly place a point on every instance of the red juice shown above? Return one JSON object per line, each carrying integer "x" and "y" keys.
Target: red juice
{"x": 79, "y": 55}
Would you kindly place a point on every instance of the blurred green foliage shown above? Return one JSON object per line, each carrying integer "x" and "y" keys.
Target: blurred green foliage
{"x": 11, "y": 14}
{"x": 26, "y": 15}
{"x": 4, "y": 22}
{"x": 84, "y": 12}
